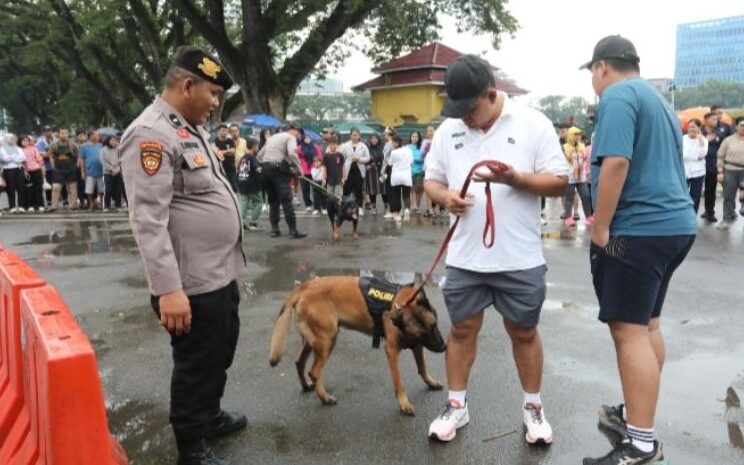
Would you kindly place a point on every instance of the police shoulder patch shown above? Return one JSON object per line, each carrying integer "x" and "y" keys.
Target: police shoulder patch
{"x": 151, "y": 156}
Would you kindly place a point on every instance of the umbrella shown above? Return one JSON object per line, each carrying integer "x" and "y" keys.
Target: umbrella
{"x": 345, "y": 128}
{"x": 314, "y": 136}
{"x": 108, "y": 132}
{"x": 263, "y": 120}
{"x": 698, "y": 112}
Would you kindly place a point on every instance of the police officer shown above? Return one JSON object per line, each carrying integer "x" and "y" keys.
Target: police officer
{"x": 185, "y": 221}
{"x": 279, "y": 163}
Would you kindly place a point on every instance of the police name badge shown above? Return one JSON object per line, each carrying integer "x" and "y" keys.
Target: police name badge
{"x": 151, "y": 156}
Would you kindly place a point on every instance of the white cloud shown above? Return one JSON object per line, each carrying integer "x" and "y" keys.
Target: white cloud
{"x": 555, "y": 37}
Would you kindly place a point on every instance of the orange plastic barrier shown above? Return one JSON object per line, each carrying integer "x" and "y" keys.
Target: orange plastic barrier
{"x": 51, "y": 402}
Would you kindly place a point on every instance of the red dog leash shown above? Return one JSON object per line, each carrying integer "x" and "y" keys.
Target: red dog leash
{"x": 489, "y": 229}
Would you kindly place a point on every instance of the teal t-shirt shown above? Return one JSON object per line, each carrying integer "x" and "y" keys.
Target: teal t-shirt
{"x": 417, "y": 168}
{"x": 634, "y": 121}
{"x": 91, "y": 155}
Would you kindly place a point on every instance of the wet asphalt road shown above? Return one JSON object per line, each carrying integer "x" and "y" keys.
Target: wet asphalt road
{"x": 93, "y": 262}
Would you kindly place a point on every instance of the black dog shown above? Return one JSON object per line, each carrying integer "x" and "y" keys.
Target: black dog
{"x": 345, "y": 209}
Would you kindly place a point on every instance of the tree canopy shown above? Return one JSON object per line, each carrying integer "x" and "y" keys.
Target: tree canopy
{"x": 561, "y": 109}
{"x": 723, "y": 93}
{"x": 94, "y": 62}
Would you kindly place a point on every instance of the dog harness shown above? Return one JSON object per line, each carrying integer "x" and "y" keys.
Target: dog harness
{"x": 378, "y": 295}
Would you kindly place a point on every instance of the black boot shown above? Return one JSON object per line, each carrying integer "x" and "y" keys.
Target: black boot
{"x": 295, "y": 234}
{"x": 275, "y": 233}
{"x": 197, "y": 453}
{"x": 225, "y": 423}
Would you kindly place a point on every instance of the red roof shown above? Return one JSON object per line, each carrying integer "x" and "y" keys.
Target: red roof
{"x": 434, "y": 55}
{"x": 409, "y": 78}
{"x": 426, "y": 65}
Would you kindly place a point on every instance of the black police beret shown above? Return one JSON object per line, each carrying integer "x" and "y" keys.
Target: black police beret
{"x": 197, "y": 61}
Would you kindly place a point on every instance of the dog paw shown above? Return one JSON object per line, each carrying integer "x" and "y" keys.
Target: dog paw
{"x": 408, "y": 409}
{"x": 308, "y": 388}
{"x": 434, "y": 385}
{"x": 328, "y": 400}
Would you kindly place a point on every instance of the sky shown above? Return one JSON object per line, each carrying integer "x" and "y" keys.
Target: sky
{"x": 556, "y": 37}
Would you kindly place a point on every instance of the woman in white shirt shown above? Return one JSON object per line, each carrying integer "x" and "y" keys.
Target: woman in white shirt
{"x": 401, "y": 159}
{"x": 356, "y": 157}
{"x": 694, "y": 149}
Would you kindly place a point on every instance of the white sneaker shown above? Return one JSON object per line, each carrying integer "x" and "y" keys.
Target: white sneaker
{"x": 388, "y": 216}
{"x": 316, "y": 212}
{"x": 41, "y": 209}
{"x": 264, "y": 208}
{"x": 361, "y": 212}
{"x": 453, "y": 417}
{"x": 407, "y": 214}
{"x": 308, "y": 209}
{"x": 31, "y": 210}
{"x": 538, "y": 430}
{"x": 21, "y": 210}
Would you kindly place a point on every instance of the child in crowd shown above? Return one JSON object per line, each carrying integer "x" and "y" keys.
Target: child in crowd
{"x": 333, "y": 162}
{"x": 318, "y": 173}
{"x": 249, "y": 186}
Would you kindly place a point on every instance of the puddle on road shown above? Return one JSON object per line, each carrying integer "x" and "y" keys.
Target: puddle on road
{"x": 285, "y": 275}
{"x": 86, "y": 238}
{"x": 143, "y": 430}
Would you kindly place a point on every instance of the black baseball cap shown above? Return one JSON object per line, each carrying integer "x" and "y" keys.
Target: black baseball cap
{"x": 465, "y": 80}
{"x": 617, "y": 47}
{"x": 197, "y": 61}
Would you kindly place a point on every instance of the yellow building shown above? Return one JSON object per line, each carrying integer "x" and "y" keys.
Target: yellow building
{"x": 410, "y": 89}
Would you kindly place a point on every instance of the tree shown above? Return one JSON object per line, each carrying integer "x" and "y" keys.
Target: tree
{"x": 82, "y": 66}
{"x": 561, "y": 109}
{"x": 269, "y": 47}
{"x": 724, "y": 93}
{"x": 320, "y": 107}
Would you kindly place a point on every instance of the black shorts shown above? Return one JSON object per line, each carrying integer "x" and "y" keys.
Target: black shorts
{"x": 63, "y": 177}
{"x": 631, "y": 275}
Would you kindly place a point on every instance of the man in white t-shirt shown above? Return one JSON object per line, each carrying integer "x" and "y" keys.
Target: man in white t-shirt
{"x": 485, "y": 124}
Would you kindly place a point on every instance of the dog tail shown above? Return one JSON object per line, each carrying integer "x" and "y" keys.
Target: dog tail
{"x": 281, "y": 326}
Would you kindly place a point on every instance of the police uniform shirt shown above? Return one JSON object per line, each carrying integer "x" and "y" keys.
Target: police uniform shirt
{"x": 183, "y": 212}
{"x": 280, "y": 147}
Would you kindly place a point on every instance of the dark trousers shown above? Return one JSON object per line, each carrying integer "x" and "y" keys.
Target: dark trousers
{"x": 34, "y": 197}
{"x": 306, "y": 188}
{"x": 82, "y": 199}
{"x": 732, "y": 179}
{"x": 696, "y": 188}
{"x": 387, "y": 188}
{"x": 114, "y": 184}
{"x": 396, "y": 203}
{"x": 201, "y": 359}
{"x": 319, "y": 199}
{"x": 228, "y": 164}
{"x": 48, "y": 178}
{"x": 586, "y": 203}
{"x": 15, "y": 186}
{"x": 279, "y": 192}
{"x": 711, "y": 184}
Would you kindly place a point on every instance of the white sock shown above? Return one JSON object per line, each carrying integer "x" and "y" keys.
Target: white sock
{"x": 458, "y": 396}
{"x": 531, "y": 399}
{"x": 642, "y": 438}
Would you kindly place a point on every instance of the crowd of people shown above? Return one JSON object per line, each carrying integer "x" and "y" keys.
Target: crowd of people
{"x": 43, "y": 175}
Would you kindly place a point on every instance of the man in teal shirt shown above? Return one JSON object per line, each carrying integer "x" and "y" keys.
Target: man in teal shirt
{"x": 92, "y": 169}
{"x": 644, "y": 227}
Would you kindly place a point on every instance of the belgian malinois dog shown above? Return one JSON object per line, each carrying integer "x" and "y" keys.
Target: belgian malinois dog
{"x": 323, "y": 305}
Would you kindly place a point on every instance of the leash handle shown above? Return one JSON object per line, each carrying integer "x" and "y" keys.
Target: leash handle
{"x": 489, "y": 229}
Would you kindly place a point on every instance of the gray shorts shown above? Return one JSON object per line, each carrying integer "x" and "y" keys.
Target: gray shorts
{"x": 94, "y": 184}
{"x": 517, "y": 295}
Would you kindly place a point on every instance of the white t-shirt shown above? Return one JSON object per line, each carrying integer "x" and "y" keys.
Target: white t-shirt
{"x": 694, "y": 156}
{"x": 523, "y": 138}
{"x": 401, "y": 160}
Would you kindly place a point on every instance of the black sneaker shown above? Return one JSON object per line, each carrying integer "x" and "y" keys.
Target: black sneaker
{"x": 611, "y": 417}
{"x": 297, "y": 234}
{"x": 198, "y": 453}
{"x": 625, "y": 453}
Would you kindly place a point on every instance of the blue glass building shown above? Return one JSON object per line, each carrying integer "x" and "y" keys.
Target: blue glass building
{"x": 710, "y": 50}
